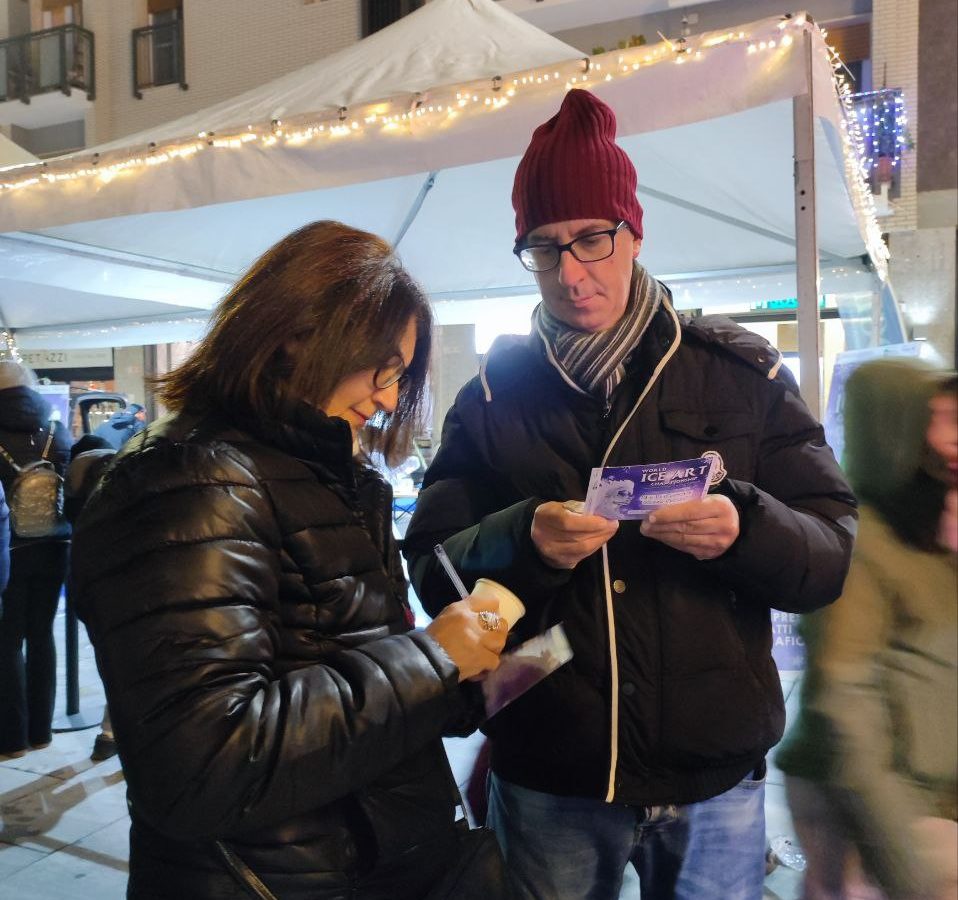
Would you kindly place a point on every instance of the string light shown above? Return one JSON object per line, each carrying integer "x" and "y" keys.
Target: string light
{"x": 8, "y": 346}
{"x": 881, "y": 117}
{"x": 444, "y": 106}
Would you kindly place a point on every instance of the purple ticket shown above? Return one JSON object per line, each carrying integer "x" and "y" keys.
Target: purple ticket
{"x": 634, "y": 492}
{"x": 524, "y": 667}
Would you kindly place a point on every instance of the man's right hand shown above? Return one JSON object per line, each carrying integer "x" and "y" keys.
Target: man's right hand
{"x": 564, "y": 538}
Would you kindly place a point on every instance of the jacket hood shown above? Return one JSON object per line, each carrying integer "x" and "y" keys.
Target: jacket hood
{"x": 886, "y": 420}
{"x": 23, "y": 409}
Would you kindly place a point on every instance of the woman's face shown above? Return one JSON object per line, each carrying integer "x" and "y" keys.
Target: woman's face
{"x": 942, "y": 433}
{"x": 356, "y": 398}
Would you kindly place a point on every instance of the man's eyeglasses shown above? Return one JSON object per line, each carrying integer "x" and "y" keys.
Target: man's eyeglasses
{"x": 394, "y": 372}
{"x": 589, "y": 247}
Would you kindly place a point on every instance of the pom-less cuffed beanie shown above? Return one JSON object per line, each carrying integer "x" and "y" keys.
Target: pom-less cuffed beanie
{"x": 573, "y": 169}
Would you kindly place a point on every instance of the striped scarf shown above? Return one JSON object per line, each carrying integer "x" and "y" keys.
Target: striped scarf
{"x": 594, "y": 363}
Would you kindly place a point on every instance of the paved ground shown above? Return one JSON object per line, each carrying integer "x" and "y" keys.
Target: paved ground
{"x": 63, "y": 818}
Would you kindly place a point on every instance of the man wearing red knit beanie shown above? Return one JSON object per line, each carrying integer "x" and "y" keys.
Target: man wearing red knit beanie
{"x": 649, "y": 745}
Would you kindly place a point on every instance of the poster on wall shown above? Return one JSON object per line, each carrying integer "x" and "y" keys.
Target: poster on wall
{"x": 58, "y": 396}
{"x": 788, "y": 648}
{"x": 845, "y": 364}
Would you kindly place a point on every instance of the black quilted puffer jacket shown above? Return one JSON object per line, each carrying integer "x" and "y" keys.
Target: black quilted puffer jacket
{"x": 242, "y": 590}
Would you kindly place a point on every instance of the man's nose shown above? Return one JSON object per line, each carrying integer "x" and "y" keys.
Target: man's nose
{"x": 571, "y": 271}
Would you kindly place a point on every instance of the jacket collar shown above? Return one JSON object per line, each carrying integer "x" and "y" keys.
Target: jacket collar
{"x": 324, "y": 443}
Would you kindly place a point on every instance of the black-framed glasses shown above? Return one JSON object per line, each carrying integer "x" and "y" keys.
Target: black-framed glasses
{"x": 586, "y": 248}
{"x": 394, "y": 372}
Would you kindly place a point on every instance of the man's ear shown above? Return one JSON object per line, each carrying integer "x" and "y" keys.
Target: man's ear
{"x": 636, "y": 247}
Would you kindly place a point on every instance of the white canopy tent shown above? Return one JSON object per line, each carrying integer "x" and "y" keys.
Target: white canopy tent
{"x": 415, "y": 133}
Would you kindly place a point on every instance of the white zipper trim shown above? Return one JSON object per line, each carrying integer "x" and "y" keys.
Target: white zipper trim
{"x": 774, "y": 370}
{"x": 610, "y": 614}
{"x": 482, "y": 377}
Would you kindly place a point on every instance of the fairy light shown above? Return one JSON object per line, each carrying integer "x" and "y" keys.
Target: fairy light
{"x": 883, "y": 122}
{"x": 8, "y": 346}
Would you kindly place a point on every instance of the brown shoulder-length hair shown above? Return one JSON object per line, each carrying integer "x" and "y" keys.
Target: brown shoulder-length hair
{"x": 326, "y": 301}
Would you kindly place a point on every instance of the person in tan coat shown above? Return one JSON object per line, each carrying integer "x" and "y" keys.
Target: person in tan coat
{"x": 871, "y": 761}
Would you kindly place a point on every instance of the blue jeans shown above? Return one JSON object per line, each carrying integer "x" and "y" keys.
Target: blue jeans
{"x": 577, "y": 848}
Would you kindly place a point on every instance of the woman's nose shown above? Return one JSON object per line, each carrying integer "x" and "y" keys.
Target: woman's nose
{"x": 386, "y": 398}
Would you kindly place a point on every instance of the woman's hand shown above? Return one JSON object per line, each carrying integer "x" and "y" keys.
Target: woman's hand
{"x": 460, "y": 632}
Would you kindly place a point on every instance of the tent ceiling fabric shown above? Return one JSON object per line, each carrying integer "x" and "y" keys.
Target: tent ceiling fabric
{"x": 712, "y": 142}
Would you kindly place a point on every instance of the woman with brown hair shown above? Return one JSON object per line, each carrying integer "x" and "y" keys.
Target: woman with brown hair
{"x": 277, "y": 719}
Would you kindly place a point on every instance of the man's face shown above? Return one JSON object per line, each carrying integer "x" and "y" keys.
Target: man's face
{"x": 589, "y": 296}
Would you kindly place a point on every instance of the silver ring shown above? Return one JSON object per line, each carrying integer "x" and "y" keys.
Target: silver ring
{"x": 489, "y": 620}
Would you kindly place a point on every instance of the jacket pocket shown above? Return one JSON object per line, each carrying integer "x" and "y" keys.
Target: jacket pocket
{"x": 733, "y": 434}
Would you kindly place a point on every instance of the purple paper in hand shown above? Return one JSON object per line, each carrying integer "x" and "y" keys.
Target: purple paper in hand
{"x": 524, "y": 667}
{"x": 635, "y": 492}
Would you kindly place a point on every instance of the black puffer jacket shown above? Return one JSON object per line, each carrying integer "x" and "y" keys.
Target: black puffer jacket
{"x": 672, "y": 695}
{"x": 244, "y": 596}
{"x": 24, "y": 426}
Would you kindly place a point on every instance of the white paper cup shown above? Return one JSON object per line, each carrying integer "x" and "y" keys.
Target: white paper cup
{"x": 510, "y": 606}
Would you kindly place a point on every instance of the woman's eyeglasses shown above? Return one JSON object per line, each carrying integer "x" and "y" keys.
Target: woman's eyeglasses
{"x": 392, "y": 373}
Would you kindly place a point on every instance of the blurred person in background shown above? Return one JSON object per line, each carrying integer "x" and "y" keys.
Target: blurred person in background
{"x": 37, "y": 569}
{"x": 122, "y": 425}
{"x": 277, "y": 718}
{"x": 89, "y": 458}
{"x": 871, "y": 761}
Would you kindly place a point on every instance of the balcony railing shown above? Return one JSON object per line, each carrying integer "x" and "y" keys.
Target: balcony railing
{"x": 158, "y": 57}
{"x": 55, "y": 59}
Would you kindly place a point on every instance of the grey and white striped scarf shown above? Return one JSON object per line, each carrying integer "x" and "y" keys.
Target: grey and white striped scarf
{"x": 595, "y": 362}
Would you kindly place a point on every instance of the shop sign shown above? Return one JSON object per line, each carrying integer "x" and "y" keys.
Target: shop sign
{"x": 95, "y": 358}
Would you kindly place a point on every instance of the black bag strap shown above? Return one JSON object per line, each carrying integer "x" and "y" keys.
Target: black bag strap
{"x": 247, "y": 878}
{"x": 46, "y": 447}
{"x": 43, "y": 455}
{"x": 10, "y": 460}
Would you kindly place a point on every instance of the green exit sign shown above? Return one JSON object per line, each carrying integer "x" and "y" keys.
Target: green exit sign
{"x": 788, "y": 303}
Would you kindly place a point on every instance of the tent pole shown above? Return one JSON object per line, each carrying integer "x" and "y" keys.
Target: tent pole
{"x": 416, "y": 206}
{"x": 806, "y": 239}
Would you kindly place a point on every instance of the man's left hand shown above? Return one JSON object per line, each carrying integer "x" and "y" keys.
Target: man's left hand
{"x": 704, "y": 528}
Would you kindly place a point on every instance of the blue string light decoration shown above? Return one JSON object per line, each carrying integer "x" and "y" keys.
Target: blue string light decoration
{"x": 881, "y": 115}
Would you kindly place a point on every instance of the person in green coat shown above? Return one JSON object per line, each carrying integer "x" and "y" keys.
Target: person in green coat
{"x": 870, "y": 763}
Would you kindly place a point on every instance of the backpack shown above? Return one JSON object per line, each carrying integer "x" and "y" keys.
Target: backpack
{"x": 35, "y": 497}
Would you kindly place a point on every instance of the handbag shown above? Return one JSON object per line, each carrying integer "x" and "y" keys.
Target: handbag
{"x": 476, "y": 870}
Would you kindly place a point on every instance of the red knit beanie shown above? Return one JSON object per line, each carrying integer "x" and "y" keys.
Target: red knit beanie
{"x": 573, "y": 169}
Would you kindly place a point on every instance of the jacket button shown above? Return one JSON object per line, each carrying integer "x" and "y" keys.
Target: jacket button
{"x": 618, "y": 586}
{"x": 628, "y": 688}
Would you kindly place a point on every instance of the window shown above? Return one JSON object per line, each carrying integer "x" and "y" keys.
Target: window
{"x": 158, "y": 48}
{"x": 378, "y": 14}
{"x": 53, "y": 13}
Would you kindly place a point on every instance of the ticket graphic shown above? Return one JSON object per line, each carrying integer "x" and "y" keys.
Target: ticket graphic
{"x": 634, "y": 492}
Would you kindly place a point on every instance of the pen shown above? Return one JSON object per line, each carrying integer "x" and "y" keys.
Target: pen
{"x": 446, "y": 563}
